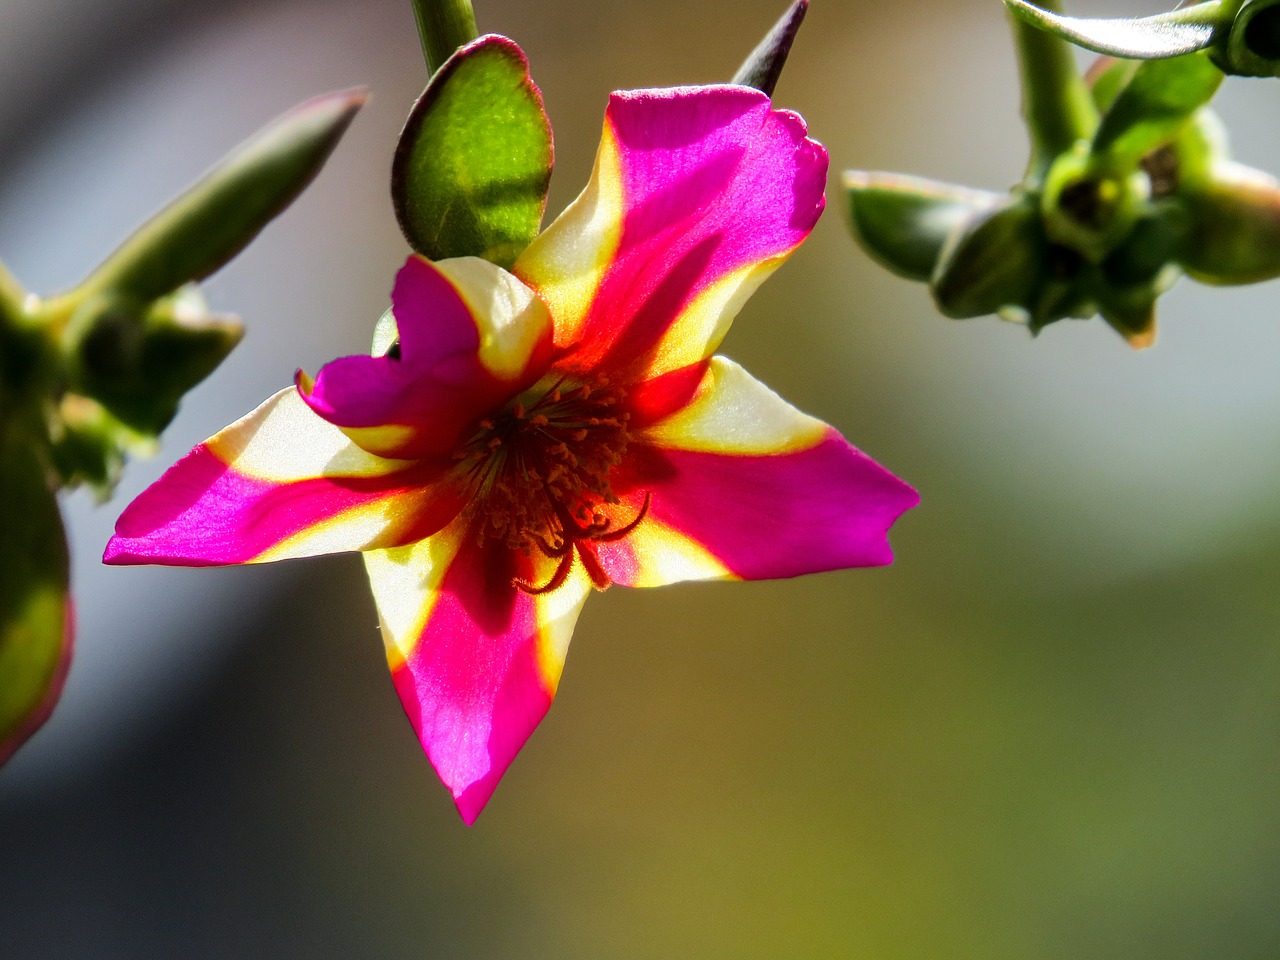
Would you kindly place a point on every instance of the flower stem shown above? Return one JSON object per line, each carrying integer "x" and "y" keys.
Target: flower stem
{"x": 1056, "y": 104}
{"x": 443, "y": 26}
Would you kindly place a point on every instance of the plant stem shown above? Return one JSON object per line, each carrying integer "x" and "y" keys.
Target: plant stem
{"x": 443, "y": 26}
{"x": 1056, "y": 104}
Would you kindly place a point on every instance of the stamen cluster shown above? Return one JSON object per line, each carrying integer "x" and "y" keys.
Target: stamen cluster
{"x": 537, "y": 475}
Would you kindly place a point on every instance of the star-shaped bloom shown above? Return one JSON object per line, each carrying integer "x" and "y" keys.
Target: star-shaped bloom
{"x": 536, "y": 434}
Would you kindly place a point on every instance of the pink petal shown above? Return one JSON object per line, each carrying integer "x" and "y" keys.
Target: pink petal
{"x": 280, "y": 483}
{"x": 475, "y": 660}
{"x": 698, "y": 193}
{"x": 743, "y": 485}
{"x": 471, "y": 336}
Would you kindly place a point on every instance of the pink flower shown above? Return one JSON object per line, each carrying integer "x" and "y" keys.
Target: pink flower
{"x": 539, "y": 433}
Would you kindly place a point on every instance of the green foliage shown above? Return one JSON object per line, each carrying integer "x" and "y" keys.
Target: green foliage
{"x": 471, "y": 170}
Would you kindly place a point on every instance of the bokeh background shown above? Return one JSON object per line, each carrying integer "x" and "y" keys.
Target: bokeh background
{"x": 1050, "y": 731}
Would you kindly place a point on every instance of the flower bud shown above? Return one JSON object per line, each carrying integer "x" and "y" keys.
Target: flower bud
{"x": 991, "y": 261}
{"x": 139, "y": 360}
{"x": 1234, "y": 235}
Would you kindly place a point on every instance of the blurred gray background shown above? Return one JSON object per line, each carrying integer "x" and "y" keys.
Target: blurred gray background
{"x": 1049, "y": 731}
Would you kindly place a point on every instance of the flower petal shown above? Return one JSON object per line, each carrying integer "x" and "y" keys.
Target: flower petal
{"x": 744, "y": 485}
{"x": 279, "y": 483}
{"x": 471, "y": 335}
{"x": 698, "y": 193}
{"x": 475, "y": 660}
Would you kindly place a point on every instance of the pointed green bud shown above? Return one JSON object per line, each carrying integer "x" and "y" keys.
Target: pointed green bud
{"x": 903, "y": 222}
{"x": 138, "y": 360}
{"x": 35, "y": 608}
{"x": 220, "y": 215}
{"x": 763, "y": 66}
{"x": 1234, "y": 235}
{"x": 992, "y": 261}
{"x": 1087, "y": 210}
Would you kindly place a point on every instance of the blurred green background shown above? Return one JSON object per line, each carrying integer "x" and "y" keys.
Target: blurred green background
{"x": 1049, "y": 731}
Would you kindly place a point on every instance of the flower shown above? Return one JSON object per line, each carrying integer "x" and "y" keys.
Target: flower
{"x": 535, "y": 434}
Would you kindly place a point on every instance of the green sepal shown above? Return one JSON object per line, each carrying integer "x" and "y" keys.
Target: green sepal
{"x": 1106, "y": 77}
{"x": 764, "y": 64}
{"x": 992, "y": 261}
{"x": 473, "y": 163}
{"x": 35, "y": 605}
{"x": 1234, "y": 236}
{"x": 903, "y": 222}
{"x": 1161, "y": 36}
{"x": 218, "y": 217}
{"x": 138, "y": 360}
{"x": 1152, "y": 108}
{"x": 1151, "y": 246}
{"x": 1131, "y": 313}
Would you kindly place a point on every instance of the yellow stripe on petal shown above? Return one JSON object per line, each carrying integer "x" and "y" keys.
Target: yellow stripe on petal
{"x": 734, "y": 413}
{"x": 557, "y": 613}
{"x": 568, "y": 260}
{"x": 665, "y": 556}
{"x": 509, "y": 317}
{"x": 388, "y": 437}
{"x": 405, "y": 582}
{"x": 352, "y": 529}
{"x": 284, "y": 440}
{"x": 703, "y": 323}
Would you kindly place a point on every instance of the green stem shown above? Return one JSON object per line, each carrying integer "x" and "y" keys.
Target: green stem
{"x": 1056, "y": 104}
{"x": 443, "y": 26}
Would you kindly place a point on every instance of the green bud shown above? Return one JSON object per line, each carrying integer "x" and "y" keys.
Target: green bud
{"x": 764, "y": 64}
{"x": 88, "y": 445}
{"x": 1234, "y": 235}
{"x": 139, "y": 360}
{"x": 993, "y": 260}
{"x": 1087, "y": 210}
{"x": 35, "y": 609}
{"x": 220, "y": 215}
{"x": 903, "y": 222}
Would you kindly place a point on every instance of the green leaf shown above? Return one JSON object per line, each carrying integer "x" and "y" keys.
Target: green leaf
{"x": 903, "y": 222}
{"x": 471, "y": 170}
{"x": 763, "y": 66}
{"x": 35, "y": 608}
{"x": 992, "y": 262}
{"x": 220, "y": 215}
{"x": 1163, "y": 35}
{"x": 1152, "y": 108}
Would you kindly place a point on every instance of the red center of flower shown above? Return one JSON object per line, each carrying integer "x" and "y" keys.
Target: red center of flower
{"x": 538, "y": 475}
